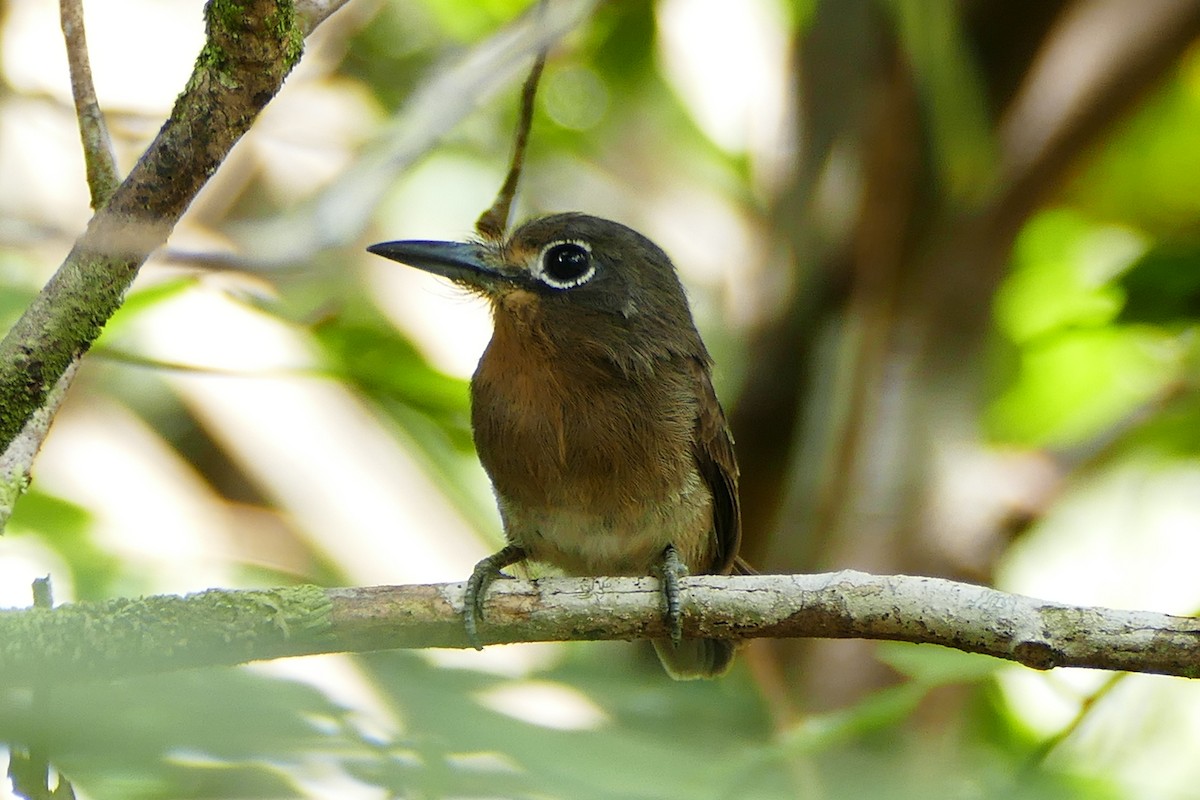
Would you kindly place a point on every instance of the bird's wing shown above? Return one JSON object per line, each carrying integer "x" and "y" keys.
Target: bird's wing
{"x": 713, "y": 449}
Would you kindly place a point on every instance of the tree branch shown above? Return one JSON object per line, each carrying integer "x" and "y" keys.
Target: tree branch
{"x": 251, "y": 47}
{"x": 123, "y": 637}
{"x": 16, "y": 460}
{"x": 311, "y": 13}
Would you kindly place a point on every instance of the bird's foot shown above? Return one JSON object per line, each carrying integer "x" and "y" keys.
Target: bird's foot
{"x": 481, "y": 578}
{"x": 670, "y": 570}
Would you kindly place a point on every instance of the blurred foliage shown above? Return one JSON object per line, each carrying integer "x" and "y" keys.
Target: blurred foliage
{"x": 230, "y": 733}
{"x": 1061, "y": 307}
{"x": 365, "y": 352}
{"x": 369, "y": 354}
{"x": 66, "y": 527}
{"x": 952, "y": 93}
{"x": 1143, "y": 174}
{"x": 1104, "y": 291}
{"x": 1093, "y": 347}
{"x": 1163, "y": 287}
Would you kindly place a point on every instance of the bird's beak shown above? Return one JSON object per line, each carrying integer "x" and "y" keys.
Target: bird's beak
{"x": 463, "y": 262}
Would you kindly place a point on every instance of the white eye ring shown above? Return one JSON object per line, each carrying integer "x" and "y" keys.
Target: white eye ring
{"x": 563, "y": 281}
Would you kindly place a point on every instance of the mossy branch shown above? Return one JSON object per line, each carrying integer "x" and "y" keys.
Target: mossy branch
{"x": 123, "y": 637}
{"x": 251, "y": 47}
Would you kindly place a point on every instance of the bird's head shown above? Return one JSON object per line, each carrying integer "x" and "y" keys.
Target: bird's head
{"x": 571, "y": 277}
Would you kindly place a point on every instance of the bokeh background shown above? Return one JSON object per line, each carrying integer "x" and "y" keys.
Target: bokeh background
{"x": 946, "y": 255}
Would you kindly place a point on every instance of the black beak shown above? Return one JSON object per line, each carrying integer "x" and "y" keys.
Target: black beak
{"x": 458, "y": 261}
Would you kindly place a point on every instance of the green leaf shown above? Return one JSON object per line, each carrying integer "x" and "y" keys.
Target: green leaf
{"x": 1173, "y": 432}
{"x": 1072, "y": 386}
{"x": 1163, "y": 286}
{"x": 67, "y": 528}
{"x": 467, "y": 20}
{"x": 369, "y": 353}
{"x": 431, "y": 410}
{"x": 13, "y": 301}
{"x": 1062, "y": 264}
{"x": 662, "y": 739}
{"x": 140, "y": 300}
{"x": 877, "y": 711}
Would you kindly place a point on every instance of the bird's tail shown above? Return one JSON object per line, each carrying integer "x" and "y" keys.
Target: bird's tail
{"x": 695, "y": 658}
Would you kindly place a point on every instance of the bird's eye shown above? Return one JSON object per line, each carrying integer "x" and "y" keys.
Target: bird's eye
{"x": 567, "y": 264}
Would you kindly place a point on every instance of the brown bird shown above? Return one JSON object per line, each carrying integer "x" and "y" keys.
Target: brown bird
{"x": 594, "y": 414}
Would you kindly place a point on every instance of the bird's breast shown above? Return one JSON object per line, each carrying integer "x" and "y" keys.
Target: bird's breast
{"x": 594, "y": 471}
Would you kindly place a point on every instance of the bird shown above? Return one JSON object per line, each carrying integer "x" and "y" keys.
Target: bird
{"x": 594, "y": 414}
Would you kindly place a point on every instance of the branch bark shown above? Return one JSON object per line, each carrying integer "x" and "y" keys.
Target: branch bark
{"x": 124, "y": 637}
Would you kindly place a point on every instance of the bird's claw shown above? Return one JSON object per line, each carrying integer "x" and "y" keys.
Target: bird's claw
{"x": 669, "y": 572}
{"x": 485, "y": 572}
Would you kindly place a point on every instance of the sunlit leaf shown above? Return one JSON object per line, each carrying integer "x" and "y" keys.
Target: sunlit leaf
{"x": 1071, "y": 386}
{"x": 429, "y": 408}
{"x": 144, "y": 299}
{"x": 1062, "y": 264}
{"x": 467, "y": 20}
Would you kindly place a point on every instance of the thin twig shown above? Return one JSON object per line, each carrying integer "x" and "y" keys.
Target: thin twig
{"x": 28, "y": 768}
{"x": 493, "y": 223}
{"x": 311, "y": 13}
{"x": 97, "y": 146}
{"x": 1047, "y": 747}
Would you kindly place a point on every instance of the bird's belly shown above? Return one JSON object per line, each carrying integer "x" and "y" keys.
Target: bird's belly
{"x": 629, "y": 541}
{"x": 594, "y": 472}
